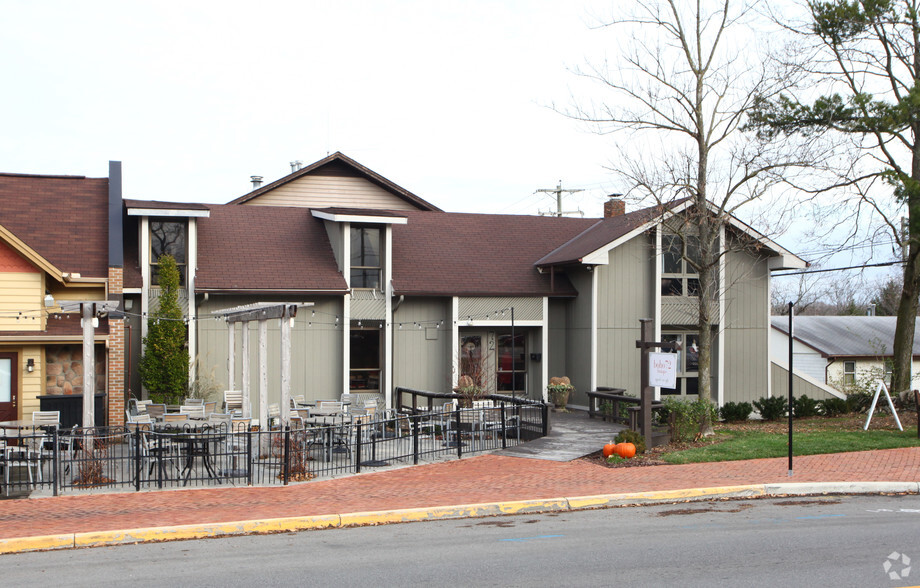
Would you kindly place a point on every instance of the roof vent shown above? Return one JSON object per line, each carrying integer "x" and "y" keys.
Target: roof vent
{"x": 256, "y": 181}
{"x": 296, "y": 165}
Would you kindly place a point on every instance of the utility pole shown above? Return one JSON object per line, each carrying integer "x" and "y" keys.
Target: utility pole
{"x": 558, "y": 192}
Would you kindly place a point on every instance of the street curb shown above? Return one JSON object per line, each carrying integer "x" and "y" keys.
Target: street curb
{"x": 355, "y": 519}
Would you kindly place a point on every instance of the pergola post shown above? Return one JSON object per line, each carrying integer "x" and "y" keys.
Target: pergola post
{"x": 246, "y": 385}
{"x": 231, "y": 356}
{"x": 263, "y": 375}
{"x": 287, "y": 318}
{"x": 89, "y": 365}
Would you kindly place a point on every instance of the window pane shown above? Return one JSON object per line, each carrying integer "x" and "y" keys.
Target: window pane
{"x": 691, "y": 385}
{"x": 672, "y": 287}
{"x": 693, "y": 287}
{"x": 365, "y": 278}
{"x": 365, "y": 349}
{"x": 506, "y": 379}
{"x": 672, "y": 247}
{"x": 167, "y": 237}
{"x": 693, "y": 353}
{"x": 365, "y": 247}
{"x": 6, "y": 380}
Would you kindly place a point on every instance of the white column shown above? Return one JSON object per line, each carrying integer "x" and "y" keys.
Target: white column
{"x": 145, "y": 276}
{"x": 455, "y": 341}
{"x": 346, "y": 309}
{"x": 263, "y": 375}
{"x": 190, "y": 311}
{"x": 594, "y": 303}
{"x": 388, "y": 319}
{"x": 286, "y": 320}
{"x": 246, "y": 379}
{"x": 231, "y": 355}
{"x": 544, "y": 348}
{"x": 89, "y": 365}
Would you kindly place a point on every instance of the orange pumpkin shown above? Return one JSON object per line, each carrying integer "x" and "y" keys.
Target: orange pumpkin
{"x": 625, "y": 450}
{"x": 609, "y": 449}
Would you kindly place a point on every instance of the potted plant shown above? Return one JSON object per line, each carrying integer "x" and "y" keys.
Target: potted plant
{"x": 469, "y": 391}
{"x": 558, "y": 391}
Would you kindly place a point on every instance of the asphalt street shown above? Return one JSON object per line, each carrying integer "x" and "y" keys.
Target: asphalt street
{"x": 794, "y": 541}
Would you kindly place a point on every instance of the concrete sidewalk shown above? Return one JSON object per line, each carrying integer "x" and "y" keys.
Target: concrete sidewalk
{"x": 476, "y": 486}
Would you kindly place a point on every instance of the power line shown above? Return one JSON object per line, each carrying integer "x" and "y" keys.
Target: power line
{"x": 839, "y": 269}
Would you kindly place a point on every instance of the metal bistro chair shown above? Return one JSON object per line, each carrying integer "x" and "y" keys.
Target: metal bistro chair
{"x": 192, "y": 411}
{"x": 233, "y": 402}
{"x": 156, "y": 411}
{"x": 43, "y": 442}
{"x": 21, "y": 456}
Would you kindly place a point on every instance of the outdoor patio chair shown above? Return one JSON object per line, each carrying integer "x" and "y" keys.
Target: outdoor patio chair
{"x": 156, "y": 411}
{"x": 174, "y": 417}
{"x": 21, "y": 456}
{"x": 328, "y": 407}
{"x": 158, "y": 451}
{"x": 210, "y": 407}
{"x": 191, "y": 401}
{"x": 233, "y": 401}
{"x": 192, "y": 411}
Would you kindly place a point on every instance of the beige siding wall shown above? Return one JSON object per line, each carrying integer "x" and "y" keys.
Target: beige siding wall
{"x": 21, "y": 292}
{"x": 330, "y": 191}
{"x": 421, "y": 357}
{"x": 30, "y": 385}
{"x": 578, "y": 337}
{"x": 747, "y": 327}
{"x": 558, "y": 330}
{"x": 625, "y": 294}
{"x": 316, "y": 349}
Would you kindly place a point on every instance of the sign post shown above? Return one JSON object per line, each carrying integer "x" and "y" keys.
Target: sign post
{"x": 661, "y": 371}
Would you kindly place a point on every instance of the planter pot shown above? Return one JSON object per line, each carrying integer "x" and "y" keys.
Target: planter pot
{"x": 560, "y": 399}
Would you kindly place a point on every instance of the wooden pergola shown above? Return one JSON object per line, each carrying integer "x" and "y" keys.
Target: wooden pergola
{"x": 261, "y": 312}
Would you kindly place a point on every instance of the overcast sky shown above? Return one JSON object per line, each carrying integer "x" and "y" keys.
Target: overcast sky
{"x": 448, "y": 99}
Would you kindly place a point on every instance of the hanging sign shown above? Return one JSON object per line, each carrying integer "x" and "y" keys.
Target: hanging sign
{"x": 662, "y": 369}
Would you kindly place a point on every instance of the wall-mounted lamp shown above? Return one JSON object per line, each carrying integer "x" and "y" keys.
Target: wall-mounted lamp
{"x": 49, "y": 300}
{"x": 30, "y": 365}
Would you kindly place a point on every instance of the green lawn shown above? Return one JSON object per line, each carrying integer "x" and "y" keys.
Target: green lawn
{"x": 732, "y": 445}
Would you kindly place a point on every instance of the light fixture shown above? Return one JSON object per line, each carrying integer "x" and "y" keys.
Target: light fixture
{"x": 49, "y": 300}
{"x": 30, "y": 365}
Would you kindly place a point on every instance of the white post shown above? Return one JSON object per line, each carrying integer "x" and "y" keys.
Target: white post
{"x": 263, "y": 375}
{"x": 89, "y": 366}
{"x": 246, "y": 386}
{"x": 231, "y": 355}
{"x": 286, "y": 320}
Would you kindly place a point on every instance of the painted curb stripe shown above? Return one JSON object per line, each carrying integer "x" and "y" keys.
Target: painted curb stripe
{"x": 19, "y": 545}
{"x": 198, "y": 531}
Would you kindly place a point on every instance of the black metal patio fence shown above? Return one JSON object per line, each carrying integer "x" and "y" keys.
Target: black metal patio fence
{"x": 151, "y": 456}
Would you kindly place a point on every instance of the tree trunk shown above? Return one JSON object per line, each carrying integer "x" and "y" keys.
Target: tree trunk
{"x": 907, "y": 312}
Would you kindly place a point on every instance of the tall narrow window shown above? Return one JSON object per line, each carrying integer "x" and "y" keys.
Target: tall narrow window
{"x": 365, "y": 257}
{"x": 688, "y": 363}
{"x": 849, "y": 372}
{"x": 364, "y": 374}
{"x": 168, "y": 237}
{"x": 680, "y": 257}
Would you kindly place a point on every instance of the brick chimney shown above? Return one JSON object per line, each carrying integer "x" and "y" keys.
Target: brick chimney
{"x": 614, "y": 206}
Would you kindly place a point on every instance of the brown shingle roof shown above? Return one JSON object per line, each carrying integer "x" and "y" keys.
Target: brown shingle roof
{"x": 63, "y": 218}
{"x": 600, "y": 234}
{"x": 438, "y": 253}
{"x": 264, "y": 248}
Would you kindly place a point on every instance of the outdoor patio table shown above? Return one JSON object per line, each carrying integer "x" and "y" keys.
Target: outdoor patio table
{"x": 198, "y": 445}
{"x": 12, "y": 430}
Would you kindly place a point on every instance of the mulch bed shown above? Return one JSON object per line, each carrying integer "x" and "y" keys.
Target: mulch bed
{"x": 853, "y": 422}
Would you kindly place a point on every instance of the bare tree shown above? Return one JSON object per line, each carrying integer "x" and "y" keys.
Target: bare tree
{"x": 680, "y": 91}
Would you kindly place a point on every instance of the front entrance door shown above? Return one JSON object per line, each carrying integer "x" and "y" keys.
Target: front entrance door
{"x": 9, "y": 386}
{"x": 493, "y": 362}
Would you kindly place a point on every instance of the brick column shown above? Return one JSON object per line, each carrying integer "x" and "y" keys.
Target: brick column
{"x": 115, "y": 369}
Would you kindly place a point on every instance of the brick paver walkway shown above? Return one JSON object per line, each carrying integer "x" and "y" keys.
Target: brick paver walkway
{"x": 488, "y": 478}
